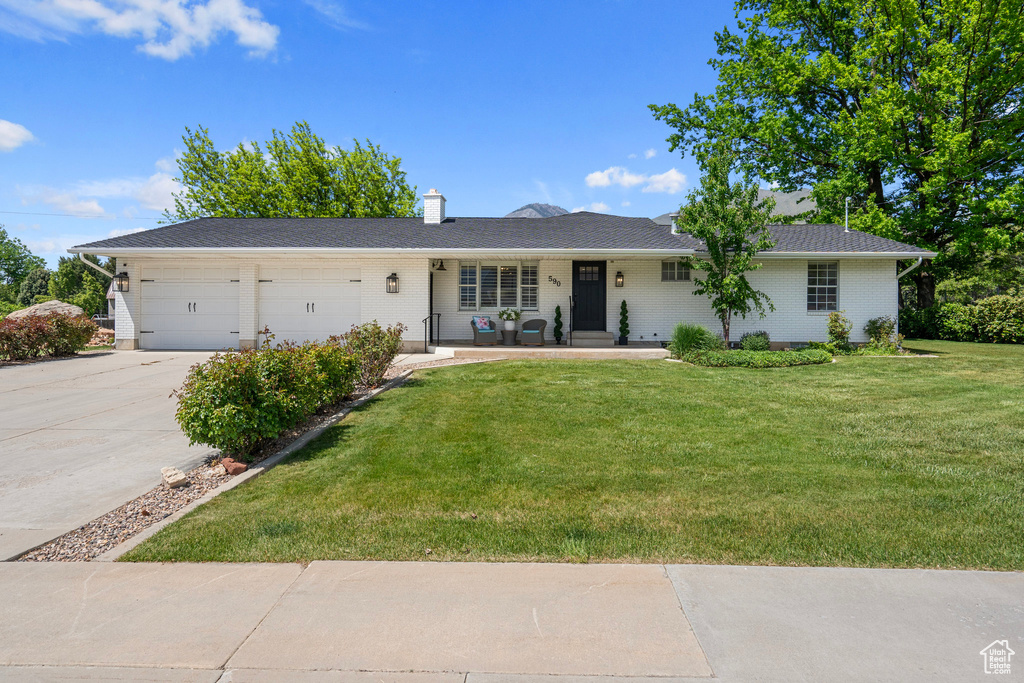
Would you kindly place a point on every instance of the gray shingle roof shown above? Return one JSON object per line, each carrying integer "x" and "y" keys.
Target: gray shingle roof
{"x": 578, "y": 231}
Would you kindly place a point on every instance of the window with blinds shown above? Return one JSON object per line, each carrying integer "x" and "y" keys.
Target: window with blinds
{"x": 498, "y": 285}
{"x": 674, "y": 271}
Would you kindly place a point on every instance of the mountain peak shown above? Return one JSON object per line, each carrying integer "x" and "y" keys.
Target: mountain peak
{"x": 537, "y": 211}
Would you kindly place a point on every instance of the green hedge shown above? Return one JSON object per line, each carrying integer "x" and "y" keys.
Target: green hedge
{"x": 238, "y": 401}
{"x": 54, "y": 335}
{"x": 757, "y": 359}
{"x": 998, "y": 319}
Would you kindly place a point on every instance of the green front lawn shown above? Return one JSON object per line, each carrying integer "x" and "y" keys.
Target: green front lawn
{"x": 896, "y": 462}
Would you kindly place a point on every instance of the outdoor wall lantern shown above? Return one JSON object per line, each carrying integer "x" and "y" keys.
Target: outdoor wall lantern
{"x": 619, "y": 281}
{"x": 121, "y": 280}
{"x": 392, "y": 284}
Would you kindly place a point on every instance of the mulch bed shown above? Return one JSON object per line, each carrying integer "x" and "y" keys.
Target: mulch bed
{"x": 91, "y": 540}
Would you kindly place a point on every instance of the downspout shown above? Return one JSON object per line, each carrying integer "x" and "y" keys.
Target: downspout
{"x": 920, "y": 260}
{"x": 81, "y": 257}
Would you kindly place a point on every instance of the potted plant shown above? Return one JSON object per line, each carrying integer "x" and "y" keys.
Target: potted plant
{"x": 510, "y": 316}
{"x": 623, "y": 324}
{"x": 558, "y": 325}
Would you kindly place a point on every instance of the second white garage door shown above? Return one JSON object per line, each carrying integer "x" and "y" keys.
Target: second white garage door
{"x": 300, "y": 304}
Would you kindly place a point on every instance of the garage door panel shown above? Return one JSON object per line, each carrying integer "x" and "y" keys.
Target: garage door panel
{"x": 309, "y": 310}
{"x": 184, "y": 314}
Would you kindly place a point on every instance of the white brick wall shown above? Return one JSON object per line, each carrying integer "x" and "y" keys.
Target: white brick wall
{"x": 409, "y": 306}
{"x": 867, "y": 289}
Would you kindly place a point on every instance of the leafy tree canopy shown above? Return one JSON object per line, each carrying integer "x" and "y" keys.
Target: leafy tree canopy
{"x": 911, "y": 107}
{"x": 72, "y": 277}
{"x": 16, "y": 261}
{"x": 35, "y": 284}
{"x": 732, "y": 223}
{"x": 290, "y": 175}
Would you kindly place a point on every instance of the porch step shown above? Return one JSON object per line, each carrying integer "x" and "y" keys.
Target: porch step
{"x": 593, "y": 340}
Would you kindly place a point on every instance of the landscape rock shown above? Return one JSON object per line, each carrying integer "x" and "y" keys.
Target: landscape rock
{"x": 217, "y": 471}
{"x": 173, "y": 477}
{"x": 233, "y": 467}
{"x": 47, "y": 308}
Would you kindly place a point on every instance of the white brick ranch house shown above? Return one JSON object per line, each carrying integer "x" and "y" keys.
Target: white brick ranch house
{"x": 215, "y": 283}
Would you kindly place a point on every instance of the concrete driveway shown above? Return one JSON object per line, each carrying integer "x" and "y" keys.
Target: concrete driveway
{"x": 81, "y": 436}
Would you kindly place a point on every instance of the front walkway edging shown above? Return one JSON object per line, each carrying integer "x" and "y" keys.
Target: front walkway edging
{"x": 117, "y": 551}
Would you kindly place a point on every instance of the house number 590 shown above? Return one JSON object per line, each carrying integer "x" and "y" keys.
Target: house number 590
{"x": 555, "y": 282}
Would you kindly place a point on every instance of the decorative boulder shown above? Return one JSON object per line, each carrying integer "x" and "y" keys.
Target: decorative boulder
{"x": 233, "y": 467}
{"x": 173, "y": 477}
{"x": 47, "y": 308}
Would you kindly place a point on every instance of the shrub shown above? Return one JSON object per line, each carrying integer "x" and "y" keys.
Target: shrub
{"x": 623, "y": 320}
{"x": 755, "y": 341}
{"x": 686, "y": 337}
{"x": 955, "y": 322}
{"x": 557, "y": 331}
{"x": 919, "y": 323}
{"x": 374, "y": 347}
{"x": 882, "y": 332}
{"x": 1001, "y": 319}
{"x": 832, "y": 348}
{"x": 238, "y": 401}
{"x": 53, "y": 335}
{"x": 7, "y": 307}
{"x": 756, "y": 359}
{"x": 839, "y": 327}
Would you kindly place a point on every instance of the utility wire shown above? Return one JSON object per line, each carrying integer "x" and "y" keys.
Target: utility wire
{"x": 71, "y": 215}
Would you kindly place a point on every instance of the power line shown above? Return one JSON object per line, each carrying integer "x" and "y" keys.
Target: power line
{"x": 71, "y": 215}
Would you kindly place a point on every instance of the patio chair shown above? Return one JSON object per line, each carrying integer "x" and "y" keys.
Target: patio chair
{"x": 487, "y": 337}
{"x": 533, "y": 332}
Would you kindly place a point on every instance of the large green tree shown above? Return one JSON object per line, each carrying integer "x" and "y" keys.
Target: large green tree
{"x": 73, "y": 278}
{"x": 911, "y": 107}
{"x": 728, "y": 218}
{"x": 16, "y": 261}
{"x": 292, "y": 174}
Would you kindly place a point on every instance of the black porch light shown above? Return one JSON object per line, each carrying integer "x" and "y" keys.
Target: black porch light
{"x": 441, "y": 266}
{"x": 121, "y": 281}
{"x": 619, "y": 280}
{"x": 392, "y": 284}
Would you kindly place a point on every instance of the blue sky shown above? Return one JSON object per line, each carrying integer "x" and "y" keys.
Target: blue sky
{"x": 496, "y": 104}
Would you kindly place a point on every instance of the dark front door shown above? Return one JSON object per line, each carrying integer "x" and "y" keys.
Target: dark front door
{"x": 588, "y": 293}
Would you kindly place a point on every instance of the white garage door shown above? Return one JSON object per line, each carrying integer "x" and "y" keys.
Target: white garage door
{"x": 300, "y": 304}
{"x": 189, "y": 308}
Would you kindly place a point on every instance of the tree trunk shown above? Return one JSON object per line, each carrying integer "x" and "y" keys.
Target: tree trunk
{"x": 925, "y": 289}
{"x": 726, "y": 319}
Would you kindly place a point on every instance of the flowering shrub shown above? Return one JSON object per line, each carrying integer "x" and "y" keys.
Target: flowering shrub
{"x": 238, "y": 401}
{"x": 53, "y": 335}
{"x": 374, "y": 347}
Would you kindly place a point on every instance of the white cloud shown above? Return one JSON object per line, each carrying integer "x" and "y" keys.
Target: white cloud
{"x": 13, "y": 136}
{"x": 670, "y": 182}
{"x": 616, "y": 175}
{"x": 170, "y": 29}
{"x": 61, "y": 201}
{"x": 335, "y": 14}
{"x": 650, "y": 154}
{"x": 632, "y": 156}
{"x": 119, "y": 232}
{"x": 153, "y": 193}
{"x": 597, "y": 207}
{"x": 626, "y": 202}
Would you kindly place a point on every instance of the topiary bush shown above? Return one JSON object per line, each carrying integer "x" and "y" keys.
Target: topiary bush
{"x": 756, "y": 341}
{"x": 557, "y": 330}
{"x": 1000, "y": 319}
{"x": 236, "y": 402}
{"x": 686, "y": 338}
{"x": 756, "y": 359}
{"x": 374, "y": 347}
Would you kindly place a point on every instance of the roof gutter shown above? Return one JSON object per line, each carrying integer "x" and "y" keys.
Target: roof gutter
{"x": 81, "y": 257}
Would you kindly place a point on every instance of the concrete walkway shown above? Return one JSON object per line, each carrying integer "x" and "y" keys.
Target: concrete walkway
{"x": 81, "y": 436}
{"x": 495, "y": 623}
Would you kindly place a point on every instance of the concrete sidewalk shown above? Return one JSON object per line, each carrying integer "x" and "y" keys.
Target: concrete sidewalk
{"x": 495, "y": 623}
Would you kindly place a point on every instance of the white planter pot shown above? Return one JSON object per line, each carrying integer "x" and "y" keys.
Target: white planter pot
{"x": 510, "y": 325}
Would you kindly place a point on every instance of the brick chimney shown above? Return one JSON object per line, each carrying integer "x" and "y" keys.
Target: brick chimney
{"x": 433, "y": 207}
